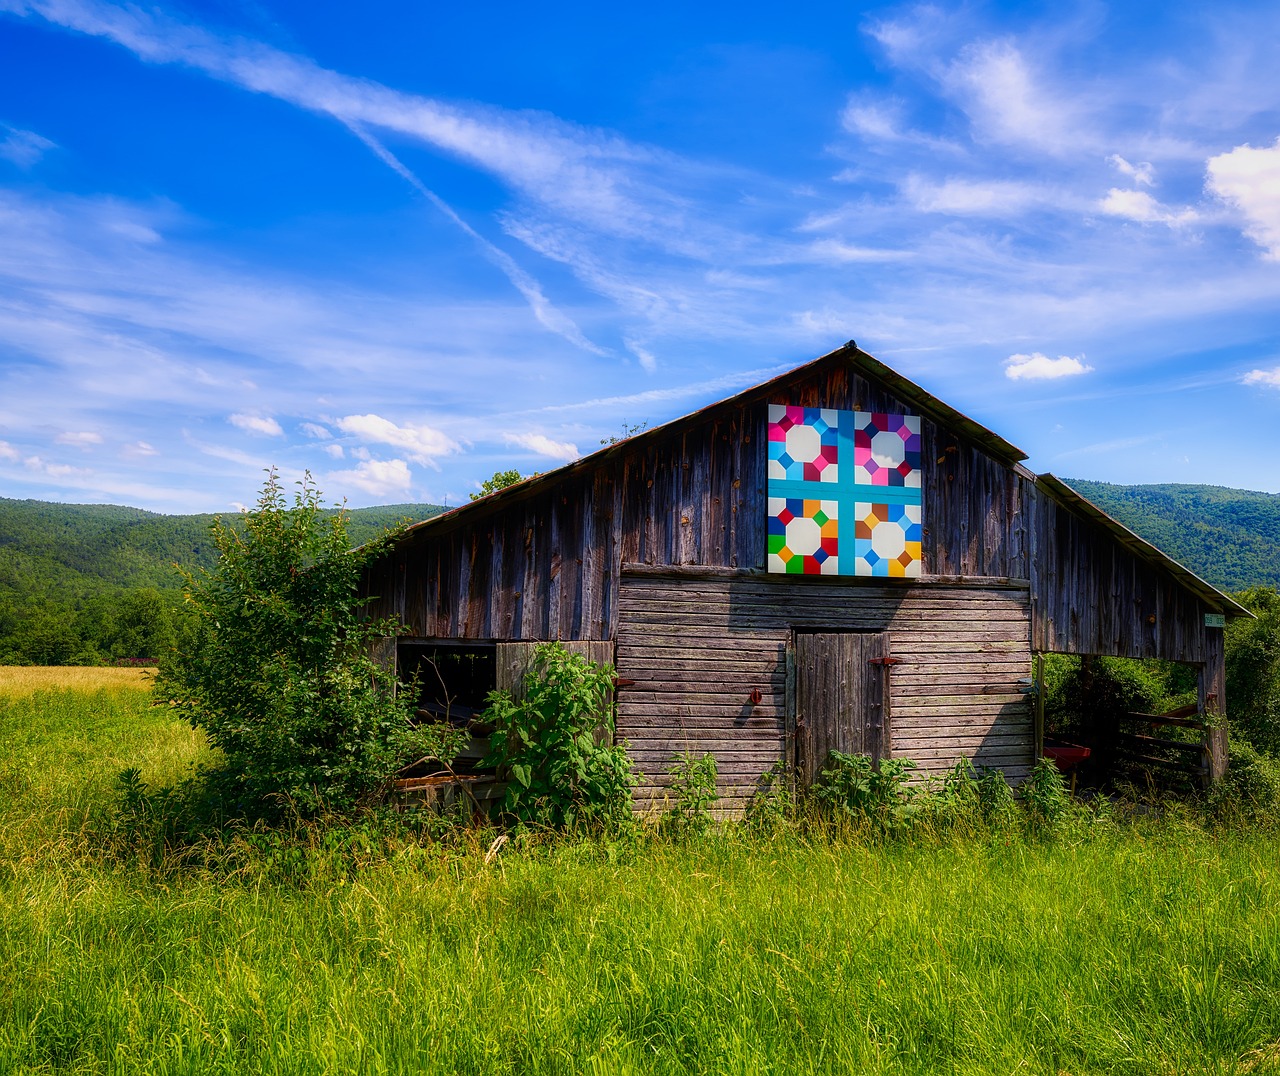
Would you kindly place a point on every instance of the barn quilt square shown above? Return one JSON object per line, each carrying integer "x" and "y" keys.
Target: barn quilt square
{"x": 844, "y": 492}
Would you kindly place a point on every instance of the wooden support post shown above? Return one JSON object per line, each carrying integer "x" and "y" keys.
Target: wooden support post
{"x": 1212, "y": 698}
{"x": 1039, "y": 727}
{"x": 790, "y": 750}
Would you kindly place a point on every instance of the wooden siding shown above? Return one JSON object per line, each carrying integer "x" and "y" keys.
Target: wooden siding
{"x": 696, "y": 646}
{"x": 544, "y": 564}
{"x": 1091, "y": 595}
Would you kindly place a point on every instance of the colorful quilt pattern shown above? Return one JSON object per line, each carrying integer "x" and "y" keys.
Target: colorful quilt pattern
{"x": 844, "y": 492}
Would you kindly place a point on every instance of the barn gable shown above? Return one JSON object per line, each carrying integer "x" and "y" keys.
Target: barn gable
{"x": 659, "y": 545}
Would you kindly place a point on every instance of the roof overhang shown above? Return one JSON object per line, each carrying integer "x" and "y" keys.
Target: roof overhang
{"x": 1206, "y": 592}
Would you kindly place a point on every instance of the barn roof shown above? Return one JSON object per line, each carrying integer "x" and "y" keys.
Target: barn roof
{"x": 909, "y": 392}
{"x": 1140, "y": 547}
{"x": 925, "y": 402}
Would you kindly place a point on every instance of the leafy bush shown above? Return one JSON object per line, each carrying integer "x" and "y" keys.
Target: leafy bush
{"x": 983, "y": 797}
{"x": 772, "y": 802}
{"x": 545, "y": 744}
{"x": 1045, "y": 798}
{"x": 850, "y": 785}
{"x": 1250, "y": 791}
{"x": 278, "y": 672}
{"x": 1253, "y": 670}
{"x": 693, "y": 786}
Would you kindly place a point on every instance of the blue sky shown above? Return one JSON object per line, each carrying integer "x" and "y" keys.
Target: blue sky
{"x": 405, "y": 245}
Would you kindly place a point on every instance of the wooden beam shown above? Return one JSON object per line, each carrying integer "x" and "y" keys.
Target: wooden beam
{"x": 1211, "y": 692}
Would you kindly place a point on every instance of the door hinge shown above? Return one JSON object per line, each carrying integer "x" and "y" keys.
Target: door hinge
{"x": 885, "y": 661}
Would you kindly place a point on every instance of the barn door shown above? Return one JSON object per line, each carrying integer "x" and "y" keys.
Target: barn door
{"x": 841, "y": 696}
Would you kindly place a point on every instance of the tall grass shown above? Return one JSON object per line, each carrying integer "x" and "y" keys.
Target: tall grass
{"x": 27, "y": 679}
{"x": 1152, "y": 949}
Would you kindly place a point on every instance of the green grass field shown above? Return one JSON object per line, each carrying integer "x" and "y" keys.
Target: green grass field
{"x": 1151, "y": 949}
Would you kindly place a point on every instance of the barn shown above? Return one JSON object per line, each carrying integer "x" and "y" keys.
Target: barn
{"x": 834, "y": 559}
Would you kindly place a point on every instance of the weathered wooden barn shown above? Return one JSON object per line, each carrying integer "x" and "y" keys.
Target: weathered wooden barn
{"x": 832, "y": 559}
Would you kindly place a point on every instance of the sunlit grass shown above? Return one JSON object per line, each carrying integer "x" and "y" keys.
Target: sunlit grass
{"x": 25, "y": 679}
{"x": 360, "y": 949}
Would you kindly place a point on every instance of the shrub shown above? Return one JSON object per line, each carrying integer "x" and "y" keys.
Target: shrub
{"x": 693, "y": 786}
{"x": 772, "y": 802}
{"x": 278, "y": 669}
{"x": 980, "y": 796}
{"x": 1253, "y": 669}
{"x": 545, "y": 744}
{"x": 850, "y": 785}
{"x": 1250, "y": 791}
{"x": 1045, "y": 798}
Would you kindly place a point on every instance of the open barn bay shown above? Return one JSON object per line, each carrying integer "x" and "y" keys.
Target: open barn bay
{"x": 1141, "y": 949}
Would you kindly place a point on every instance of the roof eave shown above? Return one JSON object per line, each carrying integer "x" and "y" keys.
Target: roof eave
{"x": 1135, "y": 543}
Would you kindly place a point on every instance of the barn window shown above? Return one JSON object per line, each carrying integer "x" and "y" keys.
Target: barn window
{"x": 453, "y": 678}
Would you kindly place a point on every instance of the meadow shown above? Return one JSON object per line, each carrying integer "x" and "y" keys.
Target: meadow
{"x": 1150, "y": 946}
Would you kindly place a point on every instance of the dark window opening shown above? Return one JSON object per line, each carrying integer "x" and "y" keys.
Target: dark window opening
{"x": 452, "y": 681}
{"x": 1124, "y": 721}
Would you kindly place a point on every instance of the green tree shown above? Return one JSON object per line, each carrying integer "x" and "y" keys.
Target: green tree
{"x": 500, "y": 480}
{"x": 279, "y": 671}
{"x": 1253, "y": 670}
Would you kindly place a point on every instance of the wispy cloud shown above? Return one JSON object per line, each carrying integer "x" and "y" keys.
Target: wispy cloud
{"x": 543, "y": 445}
{"x": 23, "y": 148}
{"x": 1143, "y": 174}
{"x": 1141, "y": 207}
{"x": 79, "y": 438}
{"x": 1009, "y": 102}
{"x": 259, "y": 424}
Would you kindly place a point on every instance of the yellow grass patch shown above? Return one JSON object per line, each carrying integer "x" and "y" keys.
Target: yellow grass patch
{"x": 26, "y": 679}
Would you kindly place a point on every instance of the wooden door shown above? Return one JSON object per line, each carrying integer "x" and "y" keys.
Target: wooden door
{"x": 841, "y": 698}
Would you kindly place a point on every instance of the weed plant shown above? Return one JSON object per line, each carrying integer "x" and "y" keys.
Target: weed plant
{"x": 962, "y": 941}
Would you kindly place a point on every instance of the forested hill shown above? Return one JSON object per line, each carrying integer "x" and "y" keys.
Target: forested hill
{"x": 83, "y": 583}
{"x": 49, "y": 549}
{"x": 1229, "y": 537}
{"x": 91, "y": 582}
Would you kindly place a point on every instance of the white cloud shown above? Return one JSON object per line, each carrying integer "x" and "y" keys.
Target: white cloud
{"x": 1249, "y": 180}
{"x": 381, "y": 478}
{"x": 335, "y": 451}
{"x": 648, "y": 362}
{"x": 1143, "y": 174}
{"x": 838, "y": 252}
{"x": 544, "y": 446}
{"x": 312, "y": 429}
{"x": 23, "y": 148}
{"x": 138, "y": 450}
{"x": 423, "y": 443}
{"x": 268, "y": 426}
{"x": 8, "y": 452}
{"x": 53, "y": 470}
{"x": 1269, "y": 378}
{"x": 1039, "y": 367}
{"x": 963, "y": 197}
{"x": 80, "y": 439}
{"x": 1140, "y": 206}
{"x": 1007, "y": 103}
